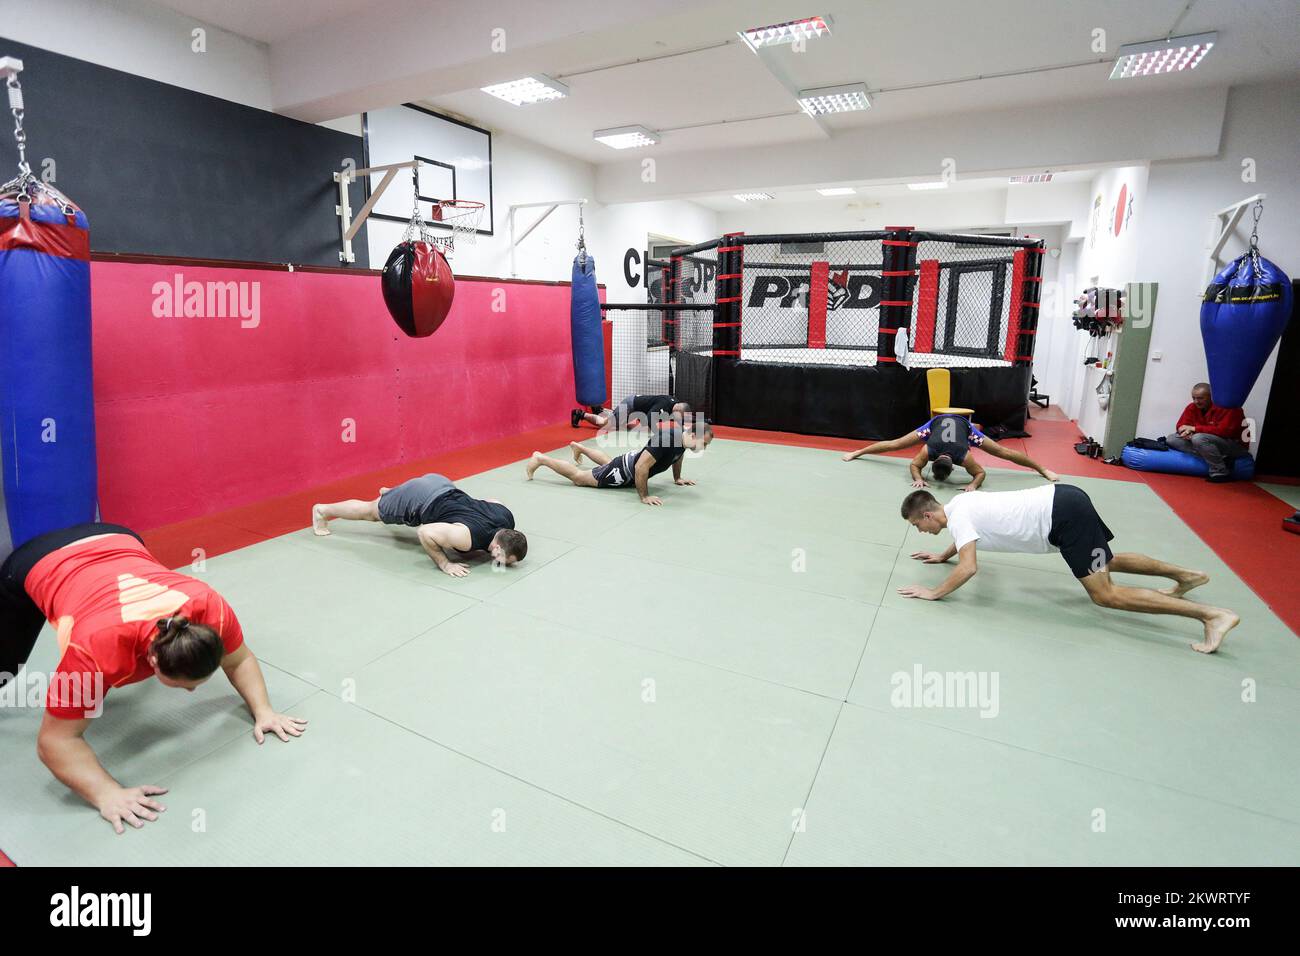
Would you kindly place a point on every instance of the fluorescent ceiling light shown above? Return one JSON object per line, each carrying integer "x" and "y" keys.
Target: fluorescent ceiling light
{"x": 834, "y": 99}
{"x": 940, "y": 184}
{"x": 626, "y": 137}
{"x": 838, "y": 191}
{"x": 752, "y": 197}
{"x": 1032, "y": 178}
{"x": 778, "y": 33}
{"x": 1162, "y": 56}
{"x": 529, "y": 90}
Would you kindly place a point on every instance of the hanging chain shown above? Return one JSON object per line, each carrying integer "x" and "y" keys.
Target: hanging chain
{"x": 25, "y": 178}
{"x": 26, "y": 182}
{"x": 1254, "y": 234}
{"x": 416, "y": 226}
{"x": 582, "y": 237}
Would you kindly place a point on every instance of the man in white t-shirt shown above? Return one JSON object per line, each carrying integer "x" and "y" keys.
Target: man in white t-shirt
{"x": 1056, "y": 518}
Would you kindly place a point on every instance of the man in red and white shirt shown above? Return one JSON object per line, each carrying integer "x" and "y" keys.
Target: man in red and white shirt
{"x": 1212, "y": 433}
{"x": 121, "y": 617}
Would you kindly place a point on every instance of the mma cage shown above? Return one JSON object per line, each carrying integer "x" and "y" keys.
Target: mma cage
{"x": 832, "y": 333}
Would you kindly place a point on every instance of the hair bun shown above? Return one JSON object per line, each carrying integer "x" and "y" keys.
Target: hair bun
{"x": 172, "y": 625}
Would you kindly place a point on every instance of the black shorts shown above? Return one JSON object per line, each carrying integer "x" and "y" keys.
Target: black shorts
{"x": 20, "y": 619}
{"x": 1079, "y": 532}
{"x": 617, "y": 472}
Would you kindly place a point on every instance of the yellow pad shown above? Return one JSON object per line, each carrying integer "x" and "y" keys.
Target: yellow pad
{"x": 939, "y": 382}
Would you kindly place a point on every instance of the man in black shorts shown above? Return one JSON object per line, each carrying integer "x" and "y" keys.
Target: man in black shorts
{"x": 636, "y": 411}
{"x": 665, "y": 448}
{"x": 947, "y": 440}
{"x": 451, "y": 525}
{"x": 1056, "y": 518}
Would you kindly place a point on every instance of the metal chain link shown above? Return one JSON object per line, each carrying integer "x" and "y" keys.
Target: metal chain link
{"x": 25, "y": 177}
{"x": 582, "y": 237}
{"x": 1254, "y": 235}
{"x": 416, "y": 226}
{"x": 25, "y": 183}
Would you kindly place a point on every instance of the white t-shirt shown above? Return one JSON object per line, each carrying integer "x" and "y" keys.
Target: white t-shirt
{"x": 1017, "y": 521}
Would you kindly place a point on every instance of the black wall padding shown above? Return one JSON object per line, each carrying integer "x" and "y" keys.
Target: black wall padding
{"x": 1279, "y": 452}
{"x": 861, "y": 401}
{"x": 164, "y": 171}
{"x": 999, "y": 395}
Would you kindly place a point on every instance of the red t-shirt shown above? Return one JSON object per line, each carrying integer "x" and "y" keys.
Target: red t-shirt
{"x": 104, "y": 597}
{"x": 1224, "y": 422}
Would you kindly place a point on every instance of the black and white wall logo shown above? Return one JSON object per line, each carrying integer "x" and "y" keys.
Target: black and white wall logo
{"x": 844, "y": 290}
{"x": 837, "y": 290}
{"x": 75, "y": 909}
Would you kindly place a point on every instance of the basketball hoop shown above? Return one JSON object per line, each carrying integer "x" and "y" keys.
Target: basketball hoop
{"x": 462, "y": 217}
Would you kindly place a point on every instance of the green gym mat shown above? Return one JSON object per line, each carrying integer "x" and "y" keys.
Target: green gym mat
{"x": 729, "y": 679}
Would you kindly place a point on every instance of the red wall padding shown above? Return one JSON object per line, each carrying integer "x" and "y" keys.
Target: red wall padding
{"x": 195, "y": 415}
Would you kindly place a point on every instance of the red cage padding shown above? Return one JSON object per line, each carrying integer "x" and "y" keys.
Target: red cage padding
{"x": 927, "y": 304}
{"x": 818, "y": 279}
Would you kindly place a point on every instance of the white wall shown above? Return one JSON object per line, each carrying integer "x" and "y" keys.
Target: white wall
{"x": 525, "y": 172}
{"x": 1111, "y": 259}
{"x": 1181, "y": 199}
{"x": 150, "y": 41}
{"x": 937, "y": 209}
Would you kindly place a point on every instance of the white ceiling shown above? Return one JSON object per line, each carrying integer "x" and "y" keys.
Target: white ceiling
{"x": 265, "y": 20}
{"x": 941, "y": 40}
{"x": 679, "y": 67}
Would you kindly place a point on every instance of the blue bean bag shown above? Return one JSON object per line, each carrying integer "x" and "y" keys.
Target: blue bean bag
{"x": 1182, "y": 463}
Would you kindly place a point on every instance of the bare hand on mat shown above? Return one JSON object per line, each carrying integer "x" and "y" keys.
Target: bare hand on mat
{"x": 282, "y": 725}
{"x": 929, "y": 557}
{"x": 132, "y": 805}
{"x": 916, "y": 591}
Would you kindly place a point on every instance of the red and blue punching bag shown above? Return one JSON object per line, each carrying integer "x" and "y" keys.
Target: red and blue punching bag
{"x": 1246, "y": 308}
{"x": 418, "y": 288}
{"x": 47, "y": 406}
{"x": 585, "y": 331}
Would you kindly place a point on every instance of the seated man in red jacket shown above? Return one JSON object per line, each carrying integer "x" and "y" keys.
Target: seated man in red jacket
{"x": 1210, "y": 432}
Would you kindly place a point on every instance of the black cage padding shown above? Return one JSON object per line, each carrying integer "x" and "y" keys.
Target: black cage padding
{"x": 868, "y": 402}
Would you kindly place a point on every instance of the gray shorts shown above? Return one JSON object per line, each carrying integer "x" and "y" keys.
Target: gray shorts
{"x": 620, "y": 413}
{"x": 407, "y": 503}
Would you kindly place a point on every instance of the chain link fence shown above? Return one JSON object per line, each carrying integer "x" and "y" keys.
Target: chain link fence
{"x": 663, "y": 349}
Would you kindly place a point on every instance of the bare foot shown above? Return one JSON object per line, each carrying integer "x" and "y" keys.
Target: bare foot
{"x": 1051, "y": 475}
{"x": 1189, "y": 580}
{"x": 576, "y": 448}
{"x": 319, "y": 523}
{"x": 384, "y": 491}
{"x": 1216, "y": 629}
{"x": 533, "y": 464}
{"x": 849, "y": 456}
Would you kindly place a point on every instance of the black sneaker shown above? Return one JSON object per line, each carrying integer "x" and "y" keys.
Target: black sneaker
{"x": 1219, "y": 479}
{"x": 1292, "y": 523}
{"x": 575, "y": 417}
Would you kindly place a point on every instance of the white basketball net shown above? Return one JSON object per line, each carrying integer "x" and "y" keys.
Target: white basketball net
{"x": 462, "y": 217}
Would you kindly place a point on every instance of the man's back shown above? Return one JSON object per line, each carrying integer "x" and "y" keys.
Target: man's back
{"x": 1007, "y": 521}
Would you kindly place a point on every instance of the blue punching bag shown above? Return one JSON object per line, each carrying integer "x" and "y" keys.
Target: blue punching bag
{"x": 1245, "y": 310}
{"x": 47, "y": 408}
{"x": 588, "y": 341}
